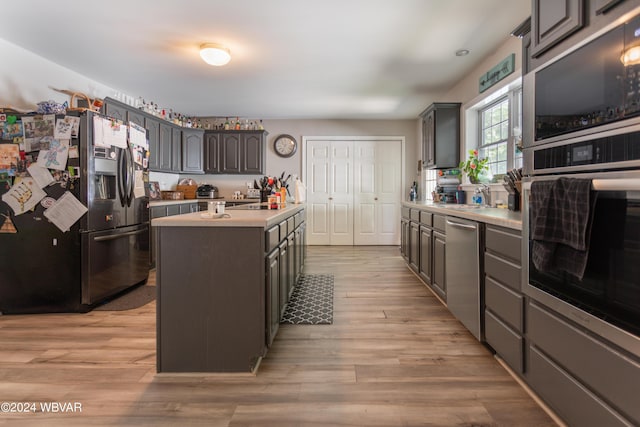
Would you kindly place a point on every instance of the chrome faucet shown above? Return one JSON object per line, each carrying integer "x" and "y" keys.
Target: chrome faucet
{"x": 486, "y": 194}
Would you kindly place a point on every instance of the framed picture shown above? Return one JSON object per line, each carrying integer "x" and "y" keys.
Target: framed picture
{"x": 153, "y": 190}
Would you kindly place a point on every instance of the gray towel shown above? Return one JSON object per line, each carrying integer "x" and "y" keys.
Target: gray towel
{"x": 561, "y": 212}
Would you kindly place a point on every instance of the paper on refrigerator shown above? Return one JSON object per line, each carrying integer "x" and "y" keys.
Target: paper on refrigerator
{"x": 65, "y": 211}
{"x": 41, "y": 175}
{"x": 138, "y": 187}
{"x": 23, "y": 196}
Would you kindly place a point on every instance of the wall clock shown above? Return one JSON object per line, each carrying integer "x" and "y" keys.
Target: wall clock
{"x": 285, "y": 145}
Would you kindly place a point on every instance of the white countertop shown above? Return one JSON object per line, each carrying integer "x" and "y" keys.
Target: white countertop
{"x": 495, "y": 216}
{"x": 233, "y": 218}
{"x": 153, "y": 203}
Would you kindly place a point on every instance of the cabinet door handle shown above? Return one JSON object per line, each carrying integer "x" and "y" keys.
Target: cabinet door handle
{"x": 375, "y": 198}
{"x": 330, "y": 198}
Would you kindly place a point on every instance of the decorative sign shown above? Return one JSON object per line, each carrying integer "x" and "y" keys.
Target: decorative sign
{"x": 497, "y": 73}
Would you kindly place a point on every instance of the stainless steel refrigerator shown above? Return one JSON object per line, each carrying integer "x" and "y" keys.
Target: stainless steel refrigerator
{"x": 43, "y": 269}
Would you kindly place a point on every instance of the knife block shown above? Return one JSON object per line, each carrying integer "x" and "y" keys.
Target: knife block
{"x": 513, "y": 202}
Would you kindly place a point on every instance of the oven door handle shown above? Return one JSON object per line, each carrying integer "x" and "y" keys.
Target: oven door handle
{"x": 613, "y": 184}
{"x": 622, "y": 184}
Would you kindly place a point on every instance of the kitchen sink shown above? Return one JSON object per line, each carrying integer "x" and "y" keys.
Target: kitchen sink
{"x": 463, "y": 206}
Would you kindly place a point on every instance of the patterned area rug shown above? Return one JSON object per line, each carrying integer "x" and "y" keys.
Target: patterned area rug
{"x": 311, "y": 302}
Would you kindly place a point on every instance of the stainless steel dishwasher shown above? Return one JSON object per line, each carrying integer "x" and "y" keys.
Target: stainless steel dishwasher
{"x": 462, "y": 272}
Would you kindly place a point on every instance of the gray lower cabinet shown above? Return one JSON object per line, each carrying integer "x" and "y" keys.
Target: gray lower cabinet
{"x": 504, "y": 301}
{"x": 414, "y": 250}
{"x": 284, "y": 275}
{"x": 284, "y": 245}
{"x": 422, "y": 245}
{"x": 211, "y": 300}
{"x": 404, "y": 238}
{"x": 219, "y": 294}
{"x": 586, "y": 380}
{"x": 426, "y": 254}
{"x": 162, "y": 211}
{"x": 438, "y": 283}
{"x": 273, "y": 295}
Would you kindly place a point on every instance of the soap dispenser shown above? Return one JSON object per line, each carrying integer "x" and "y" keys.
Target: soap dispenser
{"x": 477, "y": 197}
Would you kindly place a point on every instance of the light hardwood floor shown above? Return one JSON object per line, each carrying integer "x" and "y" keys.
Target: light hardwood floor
{"x": 394, "y": 356}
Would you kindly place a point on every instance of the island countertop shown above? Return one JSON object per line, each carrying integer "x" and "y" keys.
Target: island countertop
{"x": 233, "y": 217}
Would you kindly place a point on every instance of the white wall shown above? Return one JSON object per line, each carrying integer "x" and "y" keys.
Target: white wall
{"x": 466, "y": 91}
{"x": 25, "y": 79}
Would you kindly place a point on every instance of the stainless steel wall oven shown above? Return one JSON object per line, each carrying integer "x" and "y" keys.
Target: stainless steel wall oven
{"x": 593, "y": 134}
{"x": 606, "y": 299}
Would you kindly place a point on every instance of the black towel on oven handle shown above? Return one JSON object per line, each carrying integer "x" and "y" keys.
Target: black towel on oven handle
{"x": 561, "y": 218}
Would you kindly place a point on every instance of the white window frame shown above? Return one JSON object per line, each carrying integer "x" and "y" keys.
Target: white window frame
{"x": 472, "y": 117}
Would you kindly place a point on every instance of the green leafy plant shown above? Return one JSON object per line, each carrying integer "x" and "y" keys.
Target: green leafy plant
{"x": 473, "y": 166}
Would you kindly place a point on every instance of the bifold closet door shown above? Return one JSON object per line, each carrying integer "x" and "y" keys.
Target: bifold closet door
{"x": 354, "y": 192}
{"x": 330, "y": 192}
{"x": 377, "y": 192}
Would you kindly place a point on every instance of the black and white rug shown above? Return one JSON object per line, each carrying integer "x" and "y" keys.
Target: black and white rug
{"x": 311, "y": 302}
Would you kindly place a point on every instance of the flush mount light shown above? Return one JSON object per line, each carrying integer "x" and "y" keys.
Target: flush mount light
{"x": 462, "y": 52}
{"x": 631, "y": 56}
{"x": 214, "y": 54}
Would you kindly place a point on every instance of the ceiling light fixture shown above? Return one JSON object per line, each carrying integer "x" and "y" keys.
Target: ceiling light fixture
{"x": 462, "y": 52}
{"x": 215, "y": 54}
{"x": 631, "y": 56}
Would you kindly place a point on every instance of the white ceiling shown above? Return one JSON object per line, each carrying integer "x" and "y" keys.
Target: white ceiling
{"x": 290, "y": 58}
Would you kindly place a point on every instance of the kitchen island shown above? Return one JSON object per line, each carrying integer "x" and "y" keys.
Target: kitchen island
{"x": 218, "y": 290}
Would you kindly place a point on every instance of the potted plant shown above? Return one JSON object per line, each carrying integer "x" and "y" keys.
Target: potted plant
{"x": 473, "y": 166}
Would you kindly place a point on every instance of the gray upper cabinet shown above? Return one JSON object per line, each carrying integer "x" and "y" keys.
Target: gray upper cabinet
{"x": 192, "y": 151}
{"x": 242, "y": 152}
{"x": 441, "y": 135}
{"x": 136, "y": 117}
{"x": 252, "y": 152}
{"x": 602, "y": 7}
{"x": 176, "y": 150}
{"x": 554, "y": 20}
{"x": 166, "y": 138}
{"x": 211, "y": 152}
{"x": 153, "y": 129}
{"x": 230, "y": 153}
{"x": 116, "y": 111}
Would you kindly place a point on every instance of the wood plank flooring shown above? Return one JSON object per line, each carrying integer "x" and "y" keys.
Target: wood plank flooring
{"x": 394, "y": 356}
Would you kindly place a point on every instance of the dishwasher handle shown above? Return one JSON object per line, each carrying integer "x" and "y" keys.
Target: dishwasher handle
{"x": 459, "y": 225}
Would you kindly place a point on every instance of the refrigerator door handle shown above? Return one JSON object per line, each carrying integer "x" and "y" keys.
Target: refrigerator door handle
{"x": 120, "y": 178}
{"x": 132, "y": 176}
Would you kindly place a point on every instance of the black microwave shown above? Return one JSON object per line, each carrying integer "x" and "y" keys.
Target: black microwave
{"x": 596, "y": 84}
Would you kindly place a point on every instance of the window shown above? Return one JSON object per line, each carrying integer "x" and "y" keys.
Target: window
{"x": 430, "y": 183}
{"x": 499, "y": 125}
